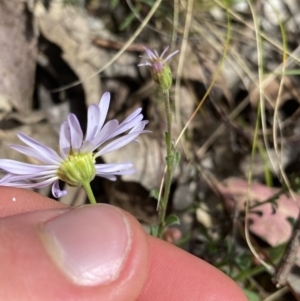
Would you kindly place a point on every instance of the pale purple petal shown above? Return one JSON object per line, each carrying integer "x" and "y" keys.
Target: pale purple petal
{"x": 118, "y": 173}
{"x": 64, "y": 140}
{"x": 22, "y": 184}
{"x": 132, "y": 115}
{"x": 112, "y": 176}
{"x": 12, "y": 178}
{"x": 21, "y": 168}
{"x": 118, "y": 143}
{"x": 75, "y": 132}
{"x": 41, "y": 149}
{"x": 92, "y": 122}
{"x": 103, "y": 105}
{"x": 123, "y": 127}
{"x": 56, "y": 191}
{"x": 139, "y": 127}
{"x": 165, "y": 50}
{"x": 144, "y": 64}
{"x": 156, "y": 61}
{"x": 170, "y": 55}
{"x": 43, "y": 157}
{"x": 125, "y": 172}
{"x": 103, "y": 168}
{"x": 150, "y": 53}
{"x": 107, "y": 176}
{"x": 6, "y": 179}
{"x": 107, "y": 130}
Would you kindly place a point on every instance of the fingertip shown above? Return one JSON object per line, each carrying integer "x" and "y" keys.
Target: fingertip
{"x": 177, "y": 275}
{"x": 84, "y": 260}
{"x": 18, "y": 200}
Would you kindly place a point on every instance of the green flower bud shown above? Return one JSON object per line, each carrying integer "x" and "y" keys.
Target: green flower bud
{"x": 162, "y": 74}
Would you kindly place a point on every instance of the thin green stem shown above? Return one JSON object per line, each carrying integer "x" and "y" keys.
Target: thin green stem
{"x": 169, "y": 161}
{"x": 89, "y": 192}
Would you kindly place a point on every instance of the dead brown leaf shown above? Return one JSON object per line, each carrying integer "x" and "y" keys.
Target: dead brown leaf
{"x": 269, "y": 222}
{"x": 18, "y": 52}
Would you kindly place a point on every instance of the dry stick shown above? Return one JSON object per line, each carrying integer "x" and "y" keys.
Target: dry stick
{"x": 288, "y": 259}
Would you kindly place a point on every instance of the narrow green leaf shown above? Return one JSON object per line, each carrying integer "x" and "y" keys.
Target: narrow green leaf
{"x": 128, "y": 20}
{"x": 172, "y": 219}
{"x": 176, "y": 157}
{"x": 154, "y": 230}
{"x": 154, "y": 193}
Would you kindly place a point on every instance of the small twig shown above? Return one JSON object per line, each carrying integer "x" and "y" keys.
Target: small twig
{"x": 117, "y": 45}
{"x": 271, "y": 199}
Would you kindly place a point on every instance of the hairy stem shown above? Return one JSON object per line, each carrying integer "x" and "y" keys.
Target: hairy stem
{"x": 169, "y": 160}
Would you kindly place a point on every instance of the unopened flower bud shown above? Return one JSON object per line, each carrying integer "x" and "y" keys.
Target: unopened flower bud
{"x": 162, "y": 75}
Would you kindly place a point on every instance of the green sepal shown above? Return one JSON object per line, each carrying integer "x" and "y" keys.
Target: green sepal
{"x": 163, "y": 77}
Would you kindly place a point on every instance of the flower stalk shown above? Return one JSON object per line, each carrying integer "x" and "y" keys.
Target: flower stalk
{"x": 162, "y": 76}
{"x": 170, "y": 163}
{"x": 89, "y": 192}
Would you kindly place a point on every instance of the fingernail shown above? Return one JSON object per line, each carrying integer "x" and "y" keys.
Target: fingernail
{"x": 90, "y": 244}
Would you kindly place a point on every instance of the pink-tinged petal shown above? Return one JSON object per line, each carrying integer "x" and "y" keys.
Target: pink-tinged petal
{"x": 165, "y": 50}
{"x": 64, "y": 140}
{"x": 150, "y": 53}
{"x": 170, "y": 55}
{"x": 45, "y": 157}
{"x": 20, "y": 168}
{"x": 92, "y": 122}
{"x": 103, "y": 105}
{"x": 145, "y": 64}
{"x": 40, "y": 149}
{"x": 118, "y": 143}
{"x": 56, "y": 191}
{"x": 75, "y": 132}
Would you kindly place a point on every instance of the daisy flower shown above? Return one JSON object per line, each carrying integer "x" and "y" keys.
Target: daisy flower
{"x": 160, "y": 70}
{"x": 75, "y": 163}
